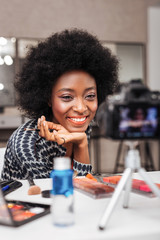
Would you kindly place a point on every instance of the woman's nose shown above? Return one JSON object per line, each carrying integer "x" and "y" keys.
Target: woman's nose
{"x": 80, "y": 106}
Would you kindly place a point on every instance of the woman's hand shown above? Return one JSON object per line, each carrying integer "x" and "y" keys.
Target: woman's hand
{"x": 59, "y": 134}
{"x": 78, "y": 140}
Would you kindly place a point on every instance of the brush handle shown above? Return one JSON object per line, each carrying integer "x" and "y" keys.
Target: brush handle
{"x": 36, "y": 129}
{"x": 33, "y": 189}
{"x": 31, "y": 182}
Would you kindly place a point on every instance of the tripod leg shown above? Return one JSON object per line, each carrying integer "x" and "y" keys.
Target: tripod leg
{"x": 128, "y": 187}
{"x": 149, "y": 181}
{"x": 149, "y": 163}
{"x": 114, "y": 198}
{"x": 118, "y": 157}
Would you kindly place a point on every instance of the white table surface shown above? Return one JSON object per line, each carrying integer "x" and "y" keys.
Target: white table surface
{"x": 140, "y": 221}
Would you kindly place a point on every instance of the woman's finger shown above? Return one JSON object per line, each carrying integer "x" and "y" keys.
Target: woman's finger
{"x": 55, "y": 126}
{"x": 60, "y": 139}
{"x": 47, "y": 134}
{"x": 41, "y": 133}
{"x": 38, "y": 123}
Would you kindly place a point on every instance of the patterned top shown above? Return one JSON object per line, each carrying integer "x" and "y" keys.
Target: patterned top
{"x": 28, "y": 154}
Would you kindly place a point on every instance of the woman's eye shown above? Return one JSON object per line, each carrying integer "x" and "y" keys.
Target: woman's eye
{"x": 91, "y": 96}
{"x": 66, "y": 98}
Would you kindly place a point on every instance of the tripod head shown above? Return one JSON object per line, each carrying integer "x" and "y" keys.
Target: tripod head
{"x": 132, "y": 159}
{"x": 132, "y": 144}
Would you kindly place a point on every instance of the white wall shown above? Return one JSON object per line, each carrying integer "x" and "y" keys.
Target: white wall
{"x": 117, "y": 20}
{"x": 131, "y": 62}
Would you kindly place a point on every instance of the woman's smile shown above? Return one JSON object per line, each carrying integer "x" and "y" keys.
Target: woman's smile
{"x": 77, "y": 120}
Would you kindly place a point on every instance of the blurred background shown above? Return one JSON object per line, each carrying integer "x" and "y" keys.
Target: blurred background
{"x": 129, "y": 28}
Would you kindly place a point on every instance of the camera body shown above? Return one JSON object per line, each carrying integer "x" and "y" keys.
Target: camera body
{"x": 132, "y": 113}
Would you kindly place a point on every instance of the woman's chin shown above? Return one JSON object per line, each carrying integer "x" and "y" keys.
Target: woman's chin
{"x": 77, "y": 129}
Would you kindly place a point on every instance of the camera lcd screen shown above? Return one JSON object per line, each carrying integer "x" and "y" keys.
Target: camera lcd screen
{"x": 138, "y": 122}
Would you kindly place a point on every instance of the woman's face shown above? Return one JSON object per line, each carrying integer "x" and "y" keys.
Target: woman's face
{"x": 139, "y": 114}
{"x": 74, "y": 100}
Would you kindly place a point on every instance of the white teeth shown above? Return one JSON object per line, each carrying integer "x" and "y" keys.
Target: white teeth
{"x": 78, "y": 119}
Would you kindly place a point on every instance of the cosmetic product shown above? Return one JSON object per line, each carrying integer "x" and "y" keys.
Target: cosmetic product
{"x": 46, "y": 193}
{"x": 8, "y": 186}
{"x": 32, "y": 129}
{"x": 34, "y": 189}
{"x": 138, "y": 186}
{"x": 5, "y": 188}
{"x": 62, "y": 192}
{"x": 17, "y": 213}
{"x": 36, "y": 129}
{"x": 92, "y": 188}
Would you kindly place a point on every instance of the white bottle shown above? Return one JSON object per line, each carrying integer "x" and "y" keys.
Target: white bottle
{"x": 62, "y": 192}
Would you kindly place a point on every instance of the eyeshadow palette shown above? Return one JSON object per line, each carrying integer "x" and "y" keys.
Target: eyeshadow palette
{"x": 17, "y": 213}
{"x": 92, "y": 188}
{"x": 13, "y": 213}
{"x": 138, "y": 186}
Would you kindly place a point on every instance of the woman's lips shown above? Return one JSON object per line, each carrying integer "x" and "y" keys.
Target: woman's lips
{"x": 77, "y": 120}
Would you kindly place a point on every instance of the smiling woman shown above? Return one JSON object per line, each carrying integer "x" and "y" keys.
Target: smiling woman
{"x": 61, "y": 84}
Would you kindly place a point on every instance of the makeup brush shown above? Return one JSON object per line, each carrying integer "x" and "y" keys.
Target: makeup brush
{"x": 36, "y": 129}
{"x": 34, "y": 189}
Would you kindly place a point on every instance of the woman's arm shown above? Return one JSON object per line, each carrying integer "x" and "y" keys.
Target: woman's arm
{"x": 80, "y": 151}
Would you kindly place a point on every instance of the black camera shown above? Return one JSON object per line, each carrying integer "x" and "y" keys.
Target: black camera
{"x": 132, "y": 113}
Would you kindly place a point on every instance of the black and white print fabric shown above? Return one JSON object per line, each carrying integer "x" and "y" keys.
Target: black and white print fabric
{"x": 28, "y": 154}
{"x": 81, "y": 169}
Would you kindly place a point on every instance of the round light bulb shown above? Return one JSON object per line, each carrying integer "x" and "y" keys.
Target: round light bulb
{"x": 8, "y": 60}
{"x": 1, "y": 86}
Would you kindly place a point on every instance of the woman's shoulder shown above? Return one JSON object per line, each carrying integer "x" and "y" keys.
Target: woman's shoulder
{"x": 32, "y": 123}
{"x": 20, "y": 132}
{"x": 21, "y": 139}
{"x": 20, "y": 136}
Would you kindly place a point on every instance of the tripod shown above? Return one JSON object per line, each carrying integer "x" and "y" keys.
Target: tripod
{"x": 132, "y": 163}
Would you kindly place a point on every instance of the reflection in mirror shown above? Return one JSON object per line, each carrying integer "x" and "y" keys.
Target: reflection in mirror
{"x": 12, "y": 54}
{"x": 7, "y": 71}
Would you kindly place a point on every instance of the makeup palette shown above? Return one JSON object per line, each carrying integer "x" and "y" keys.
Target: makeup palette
{"x": 17, "y": 213}
{"x": 138, "y": 186}
{"x": 92, "y": 188}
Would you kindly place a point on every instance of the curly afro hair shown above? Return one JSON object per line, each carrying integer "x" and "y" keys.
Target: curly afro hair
{"x": 60, "y": 53}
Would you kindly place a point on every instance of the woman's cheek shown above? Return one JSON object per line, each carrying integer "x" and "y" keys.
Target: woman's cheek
{"x": 94, "y": 107}
{"x": 60, "y": 109}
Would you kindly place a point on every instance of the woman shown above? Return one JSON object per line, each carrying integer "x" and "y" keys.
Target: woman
{"x": 62, "y": 82}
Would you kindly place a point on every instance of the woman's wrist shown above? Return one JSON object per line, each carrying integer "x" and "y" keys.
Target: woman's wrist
{"x": 82, "y": 143}
{"x": 81, "y": 168}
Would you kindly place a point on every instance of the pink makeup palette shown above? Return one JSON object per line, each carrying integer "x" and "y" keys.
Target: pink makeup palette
{"x": 92, "y": 188}
{"x": 138, "y": 186}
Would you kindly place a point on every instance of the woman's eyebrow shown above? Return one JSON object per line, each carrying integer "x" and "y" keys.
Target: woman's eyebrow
{"x": 72, "y": 90}
{"x": 65, "y": 89}
{"x": 90, "y": 88}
